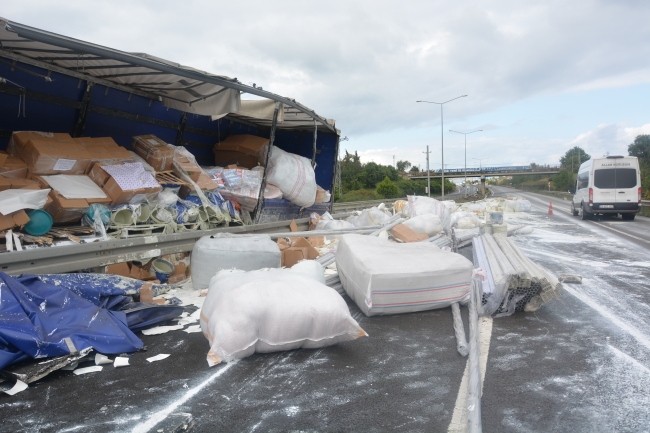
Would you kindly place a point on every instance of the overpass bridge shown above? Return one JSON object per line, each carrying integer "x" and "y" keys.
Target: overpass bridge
{"x": 483, "y": 173}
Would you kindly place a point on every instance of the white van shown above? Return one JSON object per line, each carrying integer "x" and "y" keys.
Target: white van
{"x": 609, "y": 185}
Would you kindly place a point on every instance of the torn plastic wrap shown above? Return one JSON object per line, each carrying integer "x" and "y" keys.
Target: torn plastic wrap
{"x": 12, "y": 200}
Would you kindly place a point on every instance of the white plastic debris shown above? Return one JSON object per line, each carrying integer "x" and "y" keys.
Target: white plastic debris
{"x": 158, "y": 357}
{"x": 92, "y": 369}
{"x": 102, "y": 359}
{"x": 121, "y": 361}
{"x": 192, "y": 329}
{"x": 18, "y": 387}
{"x": 161, "y": 329}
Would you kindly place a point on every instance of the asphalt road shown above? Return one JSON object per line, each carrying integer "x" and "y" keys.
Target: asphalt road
{"x": 579, "y": 364}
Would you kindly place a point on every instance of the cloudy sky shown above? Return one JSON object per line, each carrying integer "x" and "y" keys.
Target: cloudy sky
{"x": 540, "y": 77}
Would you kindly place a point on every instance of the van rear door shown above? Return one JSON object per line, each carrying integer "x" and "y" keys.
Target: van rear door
{"x": 627, "y": 189}
{"x": 616, "y": 180}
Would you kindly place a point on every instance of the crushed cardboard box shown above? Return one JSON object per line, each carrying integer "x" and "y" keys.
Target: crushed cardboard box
{"x": 130, "y": 270}
{"x": 243, "y": 151}
{"x": 15, "y": 219}
{"x": 295, "y": 250}
{"x": 13, "y": 167}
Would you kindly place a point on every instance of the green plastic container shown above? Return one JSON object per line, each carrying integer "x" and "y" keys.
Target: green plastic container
{"x": 40, "y": 222}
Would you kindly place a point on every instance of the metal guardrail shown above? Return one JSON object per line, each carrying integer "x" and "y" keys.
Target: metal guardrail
{"x": 354, "y": 205}
{"x": 69, "y": 258}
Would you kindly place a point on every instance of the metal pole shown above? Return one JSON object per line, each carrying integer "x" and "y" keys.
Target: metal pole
{"x": 428, "y": 174}
{"x": 313, "y": 156}
{"x": 442, "y": 147}
{"x": 465, "y": 186}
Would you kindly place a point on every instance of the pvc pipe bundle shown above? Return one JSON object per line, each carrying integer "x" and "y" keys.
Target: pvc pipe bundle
{"x": 439, "y": 240}
{"x": 517, "y": 283}
{"x": 326, "y": 259}
{"x": 334, "y": 282}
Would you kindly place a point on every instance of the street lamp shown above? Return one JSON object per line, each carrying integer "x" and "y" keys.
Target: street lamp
{"x": 465, "y": 134}
{"x": 480, "y": 169}
{"x": 442, "y": 141}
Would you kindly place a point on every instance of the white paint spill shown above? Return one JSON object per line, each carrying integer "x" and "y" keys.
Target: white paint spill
{"x": 292, "y": 410}
{"x": 157, "y": 417}
{"x": 161, "y": 329}
{"x": 628, "y": 359}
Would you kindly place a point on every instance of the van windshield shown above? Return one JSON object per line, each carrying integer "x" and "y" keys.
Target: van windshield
{"x": 615, "y": 178}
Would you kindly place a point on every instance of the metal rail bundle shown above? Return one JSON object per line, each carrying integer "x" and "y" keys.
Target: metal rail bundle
{"x": 513, "y": 281}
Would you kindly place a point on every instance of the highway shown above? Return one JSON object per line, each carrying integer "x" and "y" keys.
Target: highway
{"x": 579, "y": 364}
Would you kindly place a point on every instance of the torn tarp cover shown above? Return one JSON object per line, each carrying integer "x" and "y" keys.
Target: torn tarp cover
{"x": 39, "y": 320}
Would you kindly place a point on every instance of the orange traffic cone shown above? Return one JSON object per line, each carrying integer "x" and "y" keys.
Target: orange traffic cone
{"x": 550, "y": 208}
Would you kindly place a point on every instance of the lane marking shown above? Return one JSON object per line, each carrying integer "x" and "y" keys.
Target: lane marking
{"x": 459, "y": 417}
{"x": 157, "y": 417}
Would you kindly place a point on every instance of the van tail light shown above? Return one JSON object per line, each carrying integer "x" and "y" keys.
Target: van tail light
{"x": 591, "y": 195}
{"x": 640, "y": 194}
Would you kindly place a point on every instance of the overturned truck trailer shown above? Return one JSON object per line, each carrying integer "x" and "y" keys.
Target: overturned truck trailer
{"x": 54, "y": 83}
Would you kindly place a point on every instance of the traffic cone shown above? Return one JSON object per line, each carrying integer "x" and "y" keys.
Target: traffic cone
{"x": 550, "y": 208}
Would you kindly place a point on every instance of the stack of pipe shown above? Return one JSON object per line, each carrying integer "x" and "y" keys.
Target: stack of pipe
{"x": 334, "y": 282}
{"x": 515, "y": 282}
{"x": 440, "y": 240}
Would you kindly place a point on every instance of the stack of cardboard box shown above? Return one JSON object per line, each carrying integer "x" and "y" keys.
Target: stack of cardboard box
{"x": 67, "y": 210}
{"x": 156, "y": 152}
{"x": 245, "y": 151}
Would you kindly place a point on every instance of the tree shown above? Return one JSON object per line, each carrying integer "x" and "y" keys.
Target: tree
{"x": 414, "y": 170}
{"x": 373, "y": 173}
{"x": 574, "y": 157}
{"x": 402, "y": 166}
{"x": 564, "y": 180}
{"x": 387, "y": 188}
{"x": 640, "y": 148}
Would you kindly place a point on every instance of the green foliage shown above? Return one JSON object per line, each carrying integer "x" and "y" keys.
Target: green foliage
{"x": 565, "y": 180}
{"x": 573, "y": 158}
{"x": 402, "y": 166}
{"x": 414, "y": 170}
{"x": 641, "y": 149}
{"x": 387, "y": 188}
{"x": 360, "y": 195}
{"x": 412, "y": 187}
{"x": 373, "y": 173}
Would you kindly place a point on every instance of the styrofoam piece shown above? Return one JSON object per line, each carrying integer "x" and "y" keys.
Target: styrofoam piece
{"x": 102, "y": 359}
{"x": 121, "y": 361}
{"x": 92, "y": 369}
{"x": 159, "y": 357}
{"x": 389, "y": 278}
{"x": 162, "y": 329}
{"x": 272, "y": 310}
{"x": 18, "y": 387}
{"x": 226, "y": 251}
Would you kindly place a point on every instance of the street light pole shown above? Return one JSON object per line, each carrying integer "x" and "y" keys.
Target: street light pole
{"x": 442, "y": 142}
{"x": 428, "y": 174}
{"x": 465, "y": 134}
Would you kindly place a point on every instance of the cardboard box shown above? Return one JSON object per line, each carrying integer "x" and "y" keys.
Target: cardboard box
{"x": 182, "y": 165}
{"x": 48, "y": 156}
{"x": 243, "y": 150}
{"x": 14, "y": 168}
{"x": 66, "y": 210}
{"x": 120, "y": 196}
{"x": 407, "y": 234}
{"x": 99, "y": 175}
{"x": 14, "y": 219}
{"x": 20, "y": 139}
{"x": 320, "y": 195}
{"x": 121, "y": 269}
{"x": 104, "y": 149}
{"x": 155, "y": 151}
{"x": 3, "y": 157}
{"x": 299, "y": 249}
{"x": 9, "y": 183}
{"x": 316, "y": 241}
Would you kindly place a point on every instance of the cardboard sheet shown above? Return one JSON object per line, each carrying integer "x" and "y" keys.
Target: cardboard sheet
{"x": 71, "y": 187}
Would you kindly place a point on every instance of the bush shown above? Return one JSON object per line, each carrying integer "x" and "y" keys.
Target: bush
{"x": 387, "y": 188}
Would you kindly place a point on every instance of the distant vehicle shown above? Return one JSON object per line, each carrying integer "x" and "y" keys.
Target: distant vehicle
{"x": 606, "y": 186}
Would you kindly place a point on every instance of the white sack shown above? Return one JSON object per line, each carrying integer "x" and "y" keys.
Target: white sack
{"x": 419, "y": 205}
{"x": 334, "y": 225}
{"x": 311, "y": 269}
{"x": 388, "y": 278}
{"x": 465, "y": 220}
{"x": 294, "y": 175}
{"x": 369, "y": 217}
{"x": 272, "y": 310}
{"x": 428, "y": 224}
{"x": 226, "y": 251}
{"x": 518, "y": 205}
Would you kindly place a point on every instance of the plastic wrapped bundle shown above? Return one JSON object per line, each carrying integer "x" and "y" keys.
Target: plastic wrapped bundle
{"x": 428, "y": 224}
{"x": 465, "y": 220}
{"x": 388, "y": 278}
{"x": 369, "y": 217}
{"x": 272, "y": 310}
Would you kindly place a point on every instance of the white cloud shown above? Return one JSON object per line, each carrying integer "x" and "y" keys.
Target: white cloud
{"x": 609, "y": 138}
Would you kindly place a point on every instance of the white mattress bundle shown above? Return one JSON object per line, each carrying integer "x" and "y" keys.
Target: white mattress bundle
{"x": 388, "y": 278}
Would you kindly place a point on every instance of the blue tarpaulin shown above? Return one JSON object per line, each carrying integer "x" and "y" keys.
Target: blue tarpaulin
{"x": 58, "y": 316}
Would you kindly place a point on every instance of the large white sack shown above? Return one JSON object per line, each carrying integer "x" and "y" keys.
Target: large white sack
{"x": 294, "y": 175}
{"x": 388, "y": 278}
{"x": 272, "y": 310}
{"x": 428, "y": 224}
{"x": 226, "y": 251}
{"x": 419, "y": 205}
{"x": 334, "y": 225}
{"x": 465, "y": 220}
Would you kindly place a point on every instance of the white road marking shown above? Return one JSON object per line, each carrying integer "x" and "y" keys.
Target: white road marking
{"x": 155, "y": 418}
{"x": 459, "y": 418}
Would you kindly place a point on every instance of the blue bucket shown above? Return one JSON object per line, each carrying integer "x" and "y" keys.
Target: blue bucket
{"x": 163, "y": 269}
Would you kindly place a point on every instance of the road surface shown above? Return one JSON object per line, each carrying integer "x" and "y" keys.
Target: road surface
{"x": 579, "y": 364}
